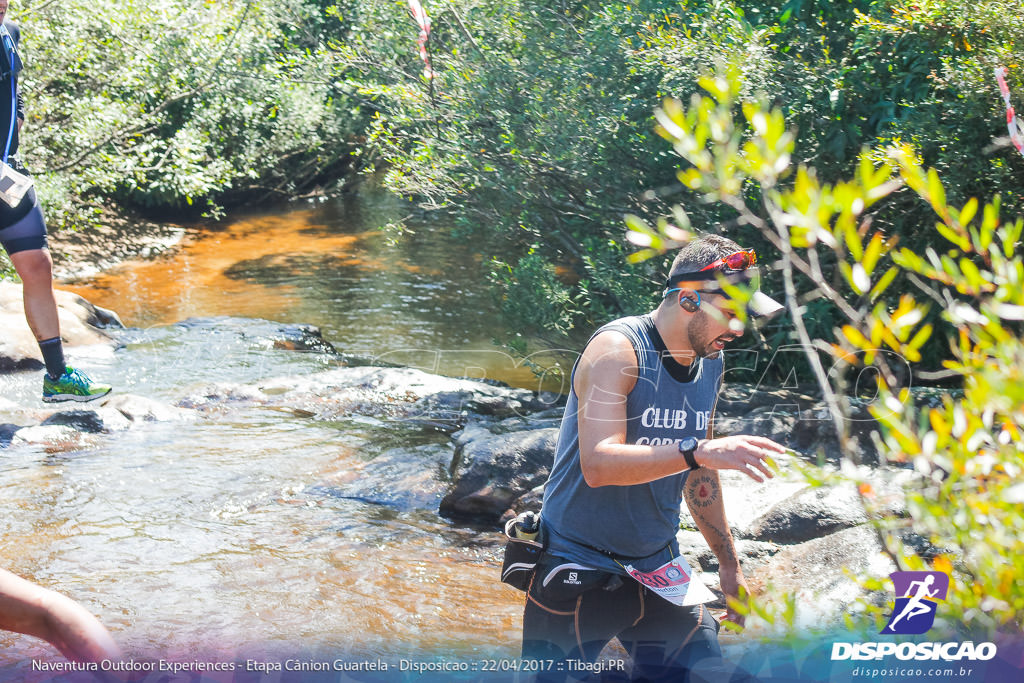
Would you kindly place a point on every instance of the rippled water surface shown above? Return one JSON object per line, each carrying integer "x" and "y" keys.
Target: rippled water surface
{"x": 230, "y": 536}
{"x": 415, "y": 301}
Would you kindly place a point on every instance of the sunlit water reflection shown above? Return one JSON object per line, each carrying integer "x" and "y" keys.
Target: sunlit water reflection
{"x": 225, "y": 537}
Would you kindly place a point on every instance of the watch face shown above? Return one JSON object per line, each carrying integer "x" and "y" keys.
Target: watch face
{"x": 688, "y": 444}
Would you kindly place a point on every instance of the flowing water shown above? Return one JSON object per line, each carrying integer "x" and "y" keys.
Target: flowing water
{"x": 225, "y": 538}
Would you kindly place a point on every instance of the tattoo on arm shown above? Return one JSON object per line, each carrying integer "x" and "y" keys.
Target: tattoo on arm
{"x": 703, "y": 495}
{"x": 702, "y": 489}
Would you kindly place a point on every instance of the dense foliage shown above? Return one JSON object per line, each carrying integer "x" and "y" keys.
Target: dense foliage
{"x": 168, "y": 105}
{"x": 967, "y": 485}
{"x": 536, "y": 129}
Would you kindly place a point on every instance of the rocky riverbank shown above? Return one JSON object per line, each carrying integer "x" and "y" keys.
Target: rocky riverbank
{"x": 117, "y": 237}
{"x": 81, "y": 323}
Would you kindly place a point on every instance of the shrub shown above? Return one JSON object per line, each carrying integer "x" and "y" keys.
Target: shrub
{"x": 966, "y": 452}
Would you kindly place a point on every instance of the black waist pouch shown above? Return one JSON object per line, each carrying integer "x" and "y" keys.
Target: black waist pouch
{"x": 521, "y": 557}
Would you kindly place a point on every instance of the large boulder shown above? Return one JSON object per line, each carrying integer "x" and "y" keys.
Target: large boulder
{"x": 815, "y": 512}
{"x": 795, "y": 419}
{"x": 405, "y": 394}
{"x": 491, "y": 471}
{"x": 81, "y": 324}
{"x": 746, "y": 500}
{"x": 403, "y": 478}
{"x": 821, "y": 574}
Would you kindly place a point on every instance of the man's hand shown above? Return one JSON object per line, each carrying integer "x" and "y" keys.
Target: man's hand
{"x": 744, "y": 453}
{"x": 732, "y": 581}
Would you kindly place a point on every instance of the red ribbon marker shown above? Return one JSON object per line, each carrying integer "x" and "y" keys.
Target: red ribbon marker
{"x": 1011, "y": 116}
{"x": 420, "y": 15}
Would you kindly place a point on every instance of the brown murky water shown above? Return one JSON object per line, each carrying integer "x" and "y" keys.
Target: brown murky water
{"x": 417, "y": 301}
{"x": 225, "y": 538}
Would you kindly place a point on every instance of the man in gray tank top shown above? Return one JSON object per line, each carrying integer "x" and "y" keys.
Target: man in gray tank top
{"x": 635, "y": 441}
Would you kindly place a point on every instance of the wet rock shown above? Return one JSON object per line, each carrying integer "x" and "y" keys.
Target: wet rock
{"x": 737, "y": 399}
{"x": 54, "y": 438}
{"x": 7, "y": 433}
{"x": 493, "y": 470}
{"x": 456, "y": 402}
{"x": 293, "y": 337}
{"x": 815, "y": 512}
{"x": 818, "y": 573}
{"x": 532, "y": 500}
{"x": 694, "y": 548}
{"x": 96, "y": 316}
{"x": 796, "y": 420}
{"x": 753, "y": 555}
{"x": 405, "y": 478}
{"x": 215, "y": 396}
{"x": 746, "y": 500}
{"x": 398, "y": 393}
{"x": 302, "y": 338}
{"x": 81, "y": 324}
{"x": 90, "y": 420}
{"x": 809, "y": 514}
{"x": 142, "y": 409}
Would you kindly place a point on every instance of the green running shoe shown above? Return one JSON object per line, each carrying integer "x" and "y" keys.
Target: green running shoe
{"x": 73, "y": 385}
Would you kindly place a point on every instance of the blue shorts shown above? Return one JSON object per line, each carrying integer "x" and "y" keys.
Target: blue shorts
{"x": 22, "y": 227}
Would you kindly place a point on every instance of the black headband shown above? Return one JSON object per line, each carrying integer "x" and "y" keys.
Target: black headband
{"x": 733, "y": 277}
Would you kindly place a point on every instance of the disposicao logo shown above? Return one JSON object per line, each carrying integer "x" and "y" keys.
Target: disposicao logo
{"x": 917, "y": 594}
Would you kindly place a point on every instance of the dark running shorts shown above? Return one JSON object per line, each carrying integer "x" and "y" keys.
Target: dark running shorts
{"x": 22, "y": 228}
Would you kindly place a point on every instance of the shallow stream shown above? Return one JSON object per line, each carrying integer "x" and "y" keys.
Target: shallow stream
{"x": 228, "y": 537}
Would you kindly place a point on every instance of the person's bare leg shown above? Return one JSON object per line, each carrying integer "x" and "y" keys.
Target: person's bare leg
{"x": 43, "y": 613}
{"x": 35, "y": 268}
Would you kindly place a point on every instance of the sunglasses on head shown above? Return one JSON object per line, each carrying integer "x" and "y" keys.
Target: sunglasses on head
{"x": 738, "y": 260}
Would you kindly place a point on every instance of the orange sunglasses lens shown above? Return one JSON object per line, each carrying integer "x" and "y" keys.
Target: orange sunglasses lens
{"x": 738, "y": 260}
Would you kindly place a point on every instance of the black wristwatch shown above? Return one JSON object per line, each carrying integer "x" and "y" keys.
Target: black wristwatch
{"x": 687, "y": 447}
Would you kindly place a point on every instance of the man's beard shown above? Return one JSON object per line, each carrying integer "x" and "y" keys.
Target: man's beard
{"x": 703, "y": 345}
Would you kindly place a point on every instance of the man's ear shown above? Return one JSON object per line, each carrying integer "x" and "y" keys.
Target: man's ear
{"x": 689, "y": 300}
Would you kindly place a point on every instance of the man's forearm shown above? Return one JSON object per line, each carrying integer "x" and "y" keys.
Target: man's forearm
{"x": 703, "y": 496}
{"x": 618, "y": 464}
{"x": 36, "y": 611}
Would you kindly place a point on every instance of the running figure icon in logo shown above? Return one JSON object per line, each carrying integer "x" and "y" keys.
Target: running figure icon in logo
{"x": 916, "y": 596}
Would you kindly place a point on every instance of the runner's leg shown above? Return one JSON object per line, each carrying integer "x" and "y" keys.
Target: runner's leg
{"x": 569, "y": 619}
{"x": 35, "y": 268}
{"x": 23, "y": 235}
{"x": 678, "y": 645}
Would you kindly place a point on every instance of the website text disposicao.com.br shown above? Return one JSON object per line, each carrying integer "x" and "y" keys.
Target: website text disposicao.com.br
{"x": 958, "y": 659}
{"x": 907, "y": 672}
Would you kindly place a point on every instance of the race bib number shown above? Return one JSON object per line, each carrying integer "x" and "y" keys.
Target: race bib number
{"x": 675, "y": 582}
{"x": 13, "y": 185}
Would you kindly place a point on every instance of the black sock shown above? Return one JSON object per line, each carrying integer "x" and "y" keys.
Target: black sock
{"x": 53, "y": 356}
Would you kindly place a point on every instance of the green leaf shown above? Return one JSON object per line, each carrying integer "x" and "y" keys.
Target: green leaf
{"x": 952, "y": 235}
{"x": 883, "y": 283}
{"x": 968, "y": 212}
{"x": 936, "y": 192}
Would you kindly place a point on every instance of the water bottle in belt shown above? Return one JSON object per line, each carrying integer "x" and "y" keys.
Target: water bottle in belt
{"x": 527, "y": 525}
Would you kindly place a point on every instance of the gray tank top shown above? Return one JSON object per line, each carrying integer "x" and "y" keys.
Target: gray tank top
{"x": 636, "y": 524}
